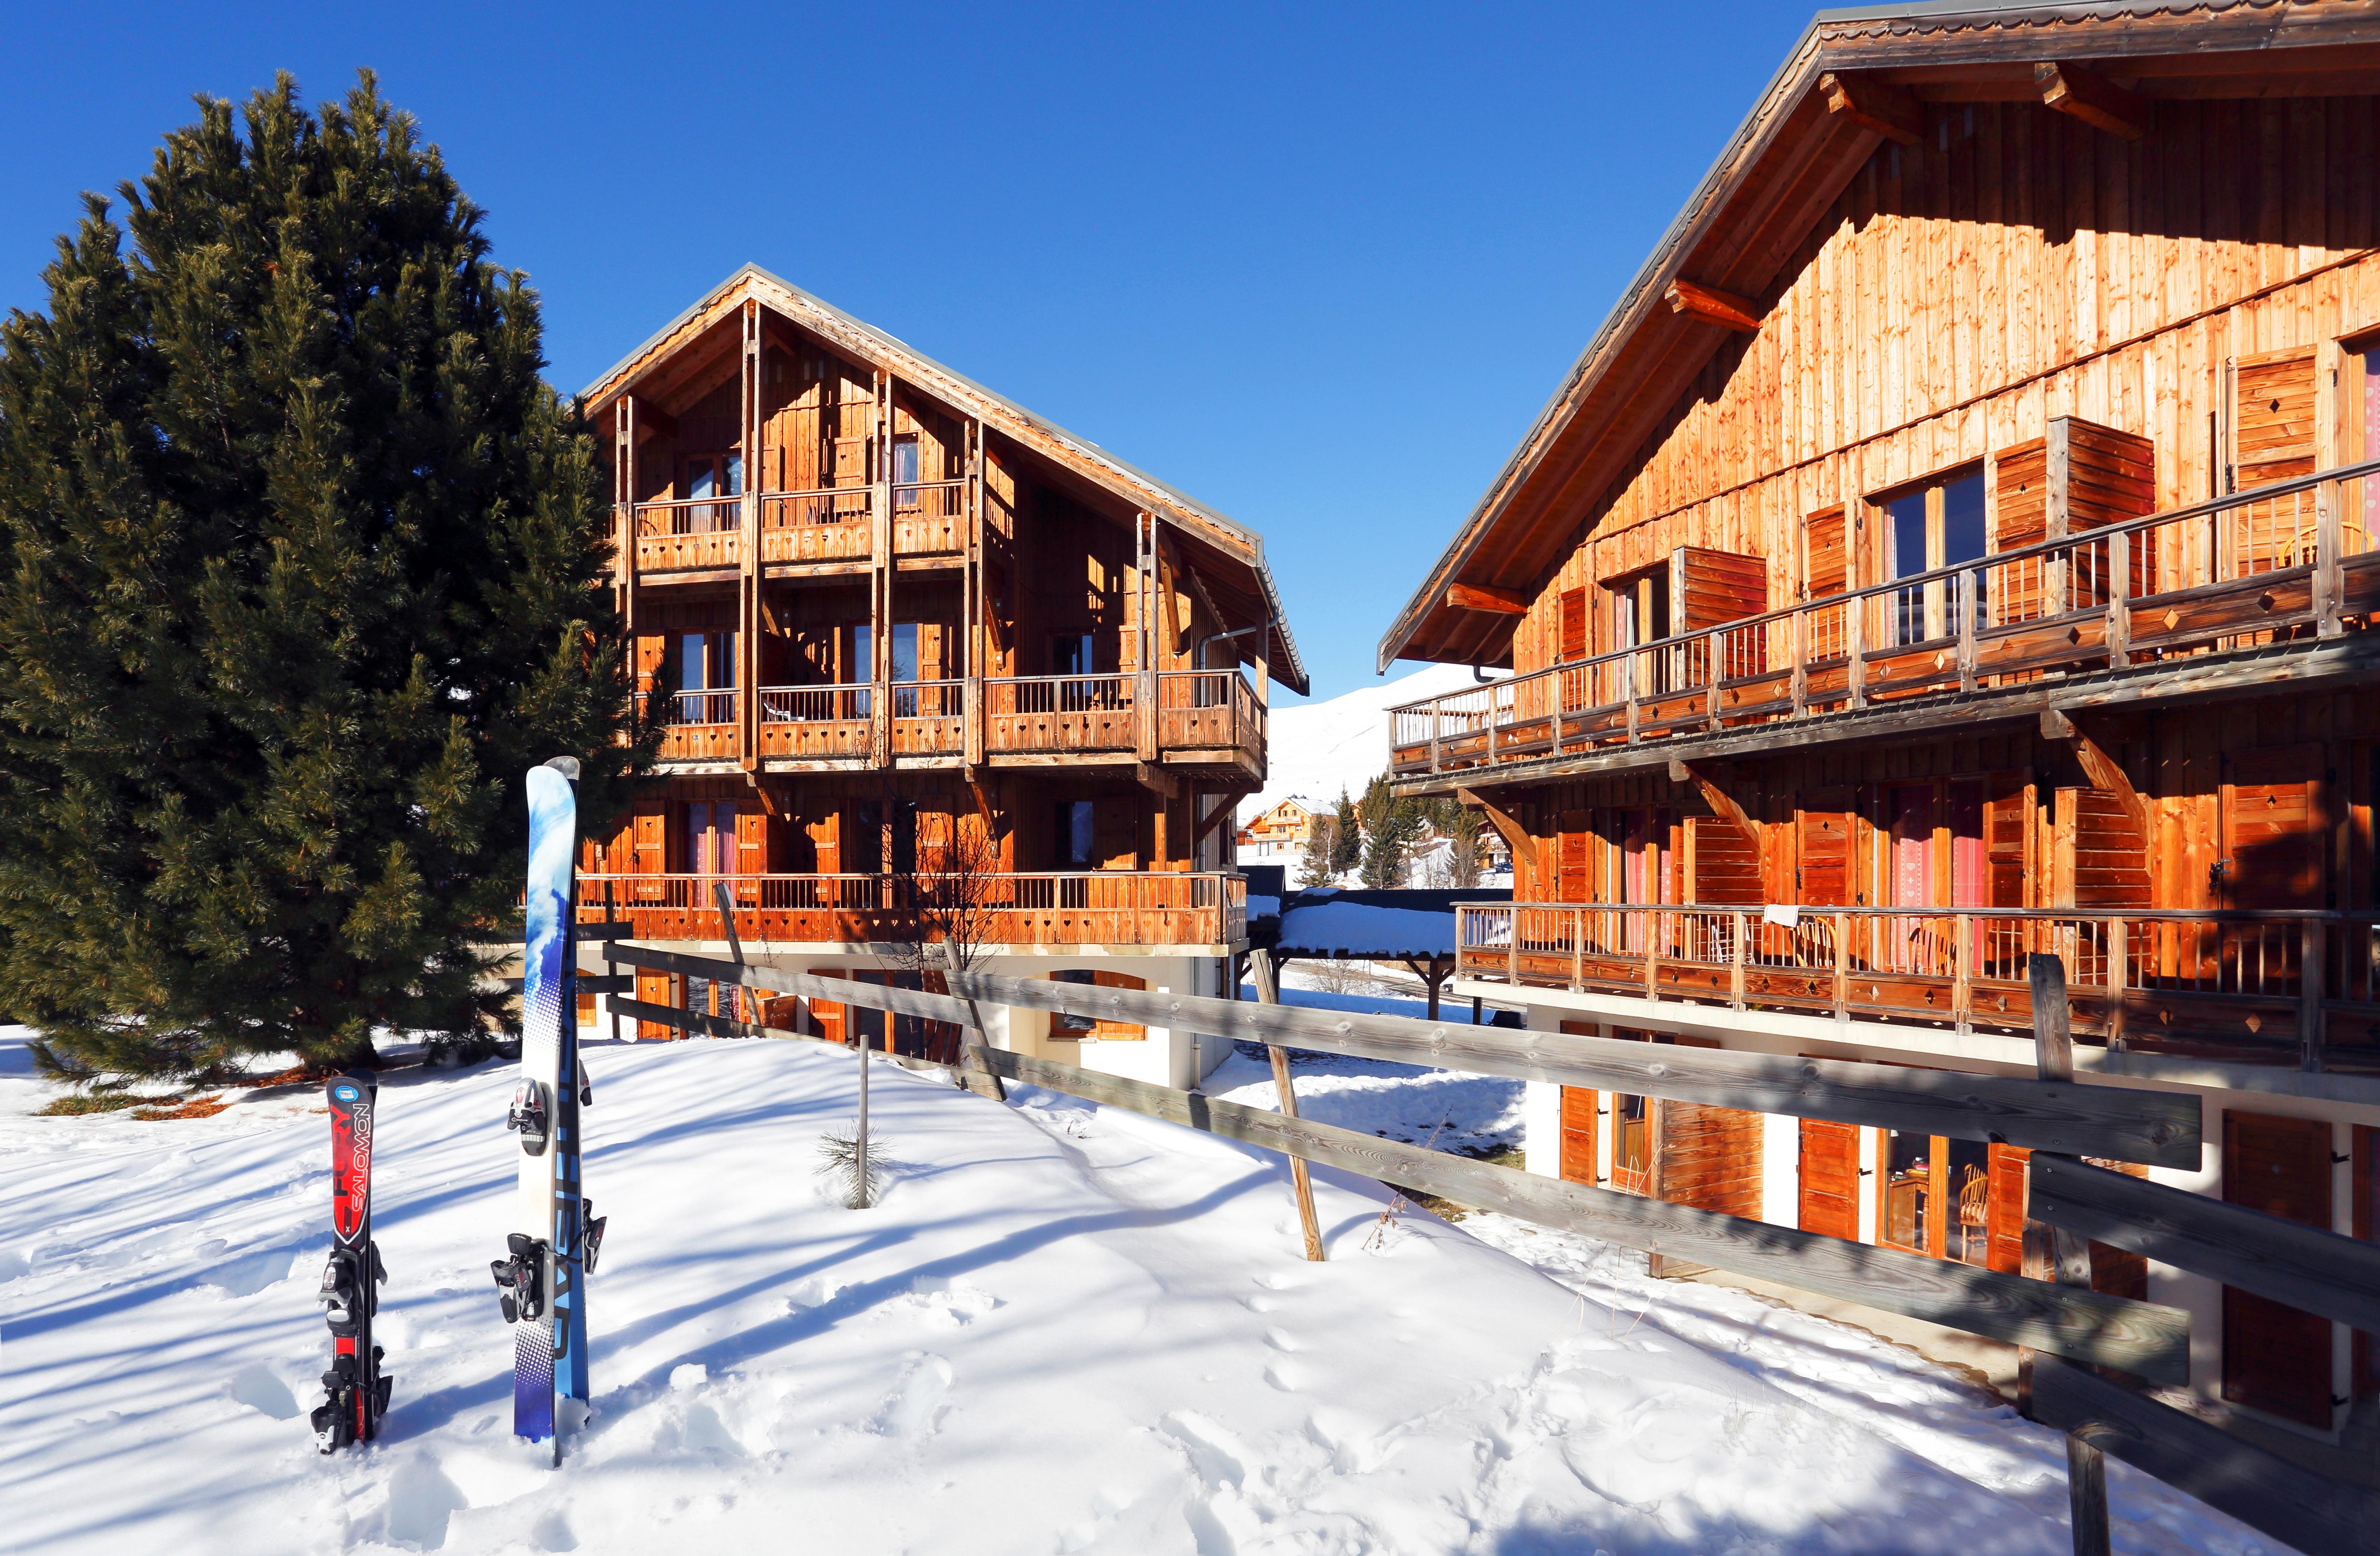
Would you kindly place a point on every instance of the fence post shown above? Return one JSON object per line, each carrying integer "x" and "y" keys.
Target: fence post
{"x": 2313, "y": 982}
{"x": 2053, "y": 1041}
{"x": 2329, "y": 566}
{"x": 2119, "y": 977}
{"x": 1736, "y": 979}
{"x": 1713, "y": 673}
{"x": 1856, "y": 646}
{"x": 2120, "y": 604}
{"x": 1965, "y": 600}
{"x": 1962, "y": 971}
{"x": 1842, "y": 966}
{"x": 1577, "y": 948}
{"x": 1513, "y": 945}
{"x": 1797, "y": 643}
{"x": 1434, "y": 721}
{"x": 1301, "y": 1181}
{"x": 1652, "y": 921}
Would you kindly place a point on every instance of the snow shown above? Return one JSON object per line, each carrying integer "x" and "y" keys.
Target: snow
{"x": 1364, "y": 926}
{"x": 1063, "y": 1329}
{"x": 1315, "y": 750}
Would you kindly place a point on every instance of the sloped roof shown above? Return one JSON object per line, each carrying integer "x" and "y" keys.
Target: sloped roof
{"x": 1225, "y": 552}
{"x": 1784, "y": 166}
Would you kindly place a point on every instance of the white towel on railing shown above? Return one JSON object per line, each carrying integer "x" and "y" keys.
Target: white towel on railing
{"x": 1785, "y": 918}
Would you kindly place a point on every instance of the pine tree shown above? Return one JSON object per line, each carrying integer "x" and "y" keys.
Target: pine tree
{"x": 1346, "y": 836}
{"x": 1391, "y": 828}
{"x": 1314, "y": 860}
{"x": 304, "y": 566}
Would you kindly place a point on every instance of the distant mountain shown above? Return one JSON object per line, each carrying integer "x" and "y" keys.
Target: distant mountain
{"x": 1318, "y": 747}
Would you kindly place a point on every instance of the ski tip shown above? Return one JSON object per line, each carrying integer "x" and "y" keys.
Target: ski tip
{"x": 566, "y": 766}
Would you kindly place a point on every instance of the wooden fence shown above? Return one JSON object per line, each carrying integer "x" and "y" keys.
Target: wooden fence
{"x": 2080, "y": 1330}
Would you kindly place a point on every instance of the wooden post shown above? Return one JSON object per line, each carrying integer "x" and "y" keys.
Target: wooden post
{"x": 1652, "y": 922}
{"x": 748, "y": 669}
{"x": 2119, "y": 601}
{"x": 1301, "y": 1181}
{"x": 1962, "y": 971}
{"x": 2313, "y": 983}
{"x": 2053, "y": 1039}
{"x": 972, "y": 709}
{"x": 879, "y": 624}
{"x": 1711, "y": 669}
{"x": 2330, "y": 566}
{"x": 1797, "y": 628}
{"x": 2119, "y": 974}
{"x": 1842, "y": 966}
{"x": 1966, "y": 591}
{"x": 2058, "y": 567}
{"x": 1736, "y": 979}
{"x": 611, "y": 968}
{"x": 629, "y": 467}
{"x": 1855, "y": 648}
{"x": 1577, "y": 948}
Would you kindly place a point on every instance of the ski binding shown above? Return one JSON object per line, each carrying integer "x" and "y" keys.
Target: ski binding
{"x": 530, "y": 1115}
{"x": 520, "y": 1284}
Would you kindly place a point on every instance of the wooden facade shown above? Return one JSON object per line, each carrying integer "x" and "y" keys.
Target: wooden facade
{"x": 1962, "y": 544}
{"x": 889, "y": 621}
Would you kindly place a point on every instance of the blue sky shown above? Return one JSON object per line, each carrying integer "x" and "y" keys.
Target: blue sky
{"x": 1316, "y": 266}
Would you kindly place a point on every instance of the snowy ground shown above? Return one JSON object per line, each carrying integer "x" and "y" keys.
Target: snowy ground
{"x": 1064, "y": 1329}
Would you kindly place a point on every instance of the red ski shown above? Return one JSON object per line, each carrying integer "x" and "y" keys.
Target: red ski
{"x": 357, "y": 1395}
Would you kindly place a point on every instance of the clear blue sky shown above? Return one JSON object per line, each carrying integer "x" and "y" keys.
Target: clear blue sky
{"x": 1318, "y": 267}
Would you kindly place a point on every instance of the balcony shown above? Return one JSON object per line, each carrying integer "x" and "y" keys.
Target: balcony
{"x": 830, "y": 524}
{"x": 2298, "y": 989}
{"x": 703, "y": 726}
{"x": 2268, "y": 566}
{"x": 1094, "y": 908}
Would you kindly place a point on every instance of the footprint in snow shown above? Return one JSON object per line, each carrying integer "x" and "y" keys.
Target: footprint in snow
{"x": 915, "y": 1407}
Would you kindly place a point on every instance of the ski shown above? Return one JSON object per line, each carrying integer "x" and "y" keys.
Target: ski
{"x": 356, "y": 1395}
{"x": 539, "y": 1281}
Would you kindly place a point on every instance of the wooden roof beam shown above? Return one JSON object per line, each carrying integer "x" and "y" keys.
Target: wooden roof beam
{"x": 1516, "y": 836}
{"x": 2082, "y": 93}
{"x": 1479, "y": 596}
{"x": 1714, "y": 306}
{"x": 1890, "y": 111}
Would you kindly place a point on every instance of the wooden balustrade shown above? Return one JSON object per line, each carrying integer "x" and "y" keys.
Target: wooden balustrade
{"x": 2294, "y": 988}
{"x": 2248, "y": 570}
{"x": 1087, "y": 907}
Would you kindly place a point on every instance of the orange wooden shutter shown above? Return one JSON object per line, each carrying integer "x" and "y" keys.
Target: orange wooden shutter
{"x": 1826, "y": 559}
{"x": 2272, "y": 416}
{"x": 1573, "y": 624}
{"x": 1826, "y": 838}
{"x": 2276, "y": 1357}
{"x": 1829, "y": 1188}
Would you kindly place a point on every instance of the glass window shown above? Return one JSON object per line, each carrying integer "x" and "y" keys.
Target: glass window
{"x": 904, "y": 461}
{"x": 1070, "y": 655}
{"x": 1908, "y": 1191}
{"x": 1076, "y": 841}
{"x": 860, "y": 662}
{"x": 700, "y": 479}
{"x": 734, "y": 487}
{"x": 1906, "y": 534}
{"x": 1067, "y": 1024}
{"x": 1962, "y": 519}
{"x": 905, "y": 838}
{"x": 904, "y": 651}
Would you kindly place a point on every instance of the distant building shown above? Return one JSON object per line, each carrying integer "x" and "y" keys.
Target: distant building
{"x": 1281, "y": 833}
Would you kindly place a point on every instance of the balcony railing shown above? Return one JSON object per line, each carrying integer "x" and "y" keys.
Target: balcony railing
{"x": 927, "y": 518}
{"x": 1091, "y": 907}
{"x": 829, "y": 525}
{"x": 2272, "y": 564}
{"x": 1210, "y": 709}
{"x": 2274, "y": 988}
{"x": 702, "y": 725}
{"x": 1059, "y": 713}
{"x": 700, "y": 532}
{"x": 929, "y": 718}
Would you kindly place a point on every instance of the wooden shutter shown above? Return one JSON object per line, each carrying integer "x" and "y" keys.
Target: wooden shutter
{"x": 2275, "y": 1357}
{"x": 1710, "y": 1156}
{"x": 2007, "y": 1168}
{"x": 751, "y": 842}
{"x": 2111, "y": 858}
{"x": 1572, "y": 609}
{"x": 652, "y": 839}
{"x": 1714, "y": 588}
{"x": 1578, "y": 1102}
{"x": 2272, "y": 833}
{"x": 1826, "y": 840}
{"x": 2008, "y": 812}
{"x": 1572, "y": 879}
{"x": 2272, "y": 416}
{"x": 1826, "y": 558}
{"x": 1117, "y": 1031}
{"x": 1829, "y": 1201}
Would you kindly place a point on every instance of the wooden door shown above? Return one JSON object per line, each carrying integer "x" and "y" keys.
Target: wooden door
{"x": 2272, "y": 832}
{"x": 1829, "y": 1192}
{"x": 2276, "y": 1358}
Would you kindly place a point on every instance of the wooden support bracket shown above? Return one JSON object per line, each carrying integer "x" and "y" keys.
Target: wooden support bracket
{"x": 2081, "y": 92}
{"x": 1479, "y": 596}
{"x": 1714, "y": 306}
{"x": 2106, "y": 774}
{"x": 1516, "y": 837}
{"x": 1231, "y": 798}
{"x": 653, "y": 421}
{"x": 1153, "y": 777}
{"x": 1889, "y": 110}
{"x": 1716, "y": 795}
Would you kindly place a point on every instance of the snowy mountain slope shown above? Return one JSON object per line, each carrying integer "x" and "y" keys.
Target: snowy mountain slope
{"x": 1064, "y": 1329}
{"x": 1316, "y": 748}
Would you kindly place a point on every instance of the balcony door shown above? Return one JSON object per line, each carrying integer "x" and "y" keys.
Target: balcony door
{"x": 1937, "y": 525}
{"x": 702, "y": 673}
{"x": 714, "y": 476}
{"x": 710, "y": 840}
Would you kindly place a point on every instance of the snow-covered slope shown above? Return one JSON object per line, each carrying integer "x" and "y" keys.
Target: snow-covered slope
{"x": 1063, "y": 1329}
{"x": 1316, "y": 748}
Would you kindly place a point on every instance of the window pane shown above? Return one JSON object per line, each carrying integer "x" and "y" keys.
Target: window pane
{"x": 862, "y": 659}
{"x": 1963, "y": 520}
{"x": 734, "y": 475}
{"x": 721, "y": 646}
{"x": 905, "y": 460}
{"x": 1078, "y": 832}
{"x": 699, "y": 478}
{"x": 1907, "y": 534}
{"x": 904, "y": 651}
{"x": 693, "y": 662}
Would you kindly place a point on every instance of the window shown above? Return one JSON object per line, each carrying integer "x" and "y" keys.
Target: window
{"x": 1640, "y": 614}
{"x": 699, "y": 669}
{"x": 1067, "y": 1024}
{"x": 1071, "y": 654}
{"x": 1077, "y": 836}
{"x": 905, "y": 838}
{"x": 713, "y": 476}
{"x": 863, "y": 843}
{"x": 1572, "y": 625}
{"x": 905, "y": 474}
{"x": 1937, "y": 525}
{"x": 709, "y": 838}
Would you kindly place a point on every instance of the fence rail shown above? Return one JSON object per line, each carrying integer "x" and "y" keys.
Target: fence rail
{"x": 2280, "y": 987}
{"x": 2256, "y": 567}
{"x": 2071, "y": 1323}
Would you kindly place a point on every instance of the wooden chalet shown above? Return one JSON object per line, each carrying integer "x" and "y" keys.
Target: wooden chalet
{"x": 1959, "y": 543}
{"x": 895, "y": 620}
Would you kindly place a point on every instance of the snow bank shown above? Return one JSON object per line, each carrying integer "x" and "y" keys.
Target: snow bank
{"x": 1063, "y": 1329}
{"x": 1361, "y": 928}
